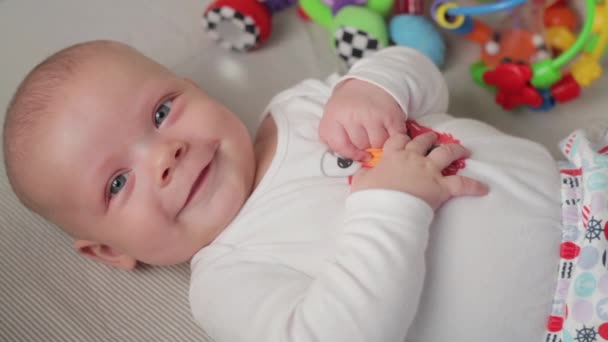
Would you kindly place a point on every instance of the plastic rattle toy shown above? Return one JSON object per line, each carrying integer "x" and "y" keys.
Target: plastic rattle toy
{"x": 242, "y": 25}
{"x": 359, "y": 27}
{"x": 415, "y": 129}
{"x": 524, "y": 67}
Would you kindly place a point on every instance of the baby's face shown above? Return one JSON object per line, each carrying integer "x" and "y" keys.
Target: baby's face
{"x": 144, "y": 161}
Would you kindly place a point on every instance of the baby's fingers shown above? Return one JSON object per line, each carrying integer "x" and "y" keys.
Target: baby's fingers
{"x": 444, "y": 155}
{"x": 397, "y": 126}
{"x": 377, "y": 135}
{"x": 357, "y": 136}
{"x": 422, "y": 143}
{"x": 339, "y": 141}
{"x": 464, "y": 186}
{"x": 396, "y": 142}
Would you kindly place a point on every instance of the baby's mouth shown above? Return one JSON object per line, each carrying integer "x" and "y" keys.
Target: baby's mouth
{"x": 200, "y": 182}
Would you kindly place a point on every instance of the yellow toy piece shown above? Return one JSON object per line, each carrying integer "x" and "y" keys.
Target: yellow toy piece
{"x": 586, "y": 69}
{"x": 600, "y": 26}
{"x": 441, "y": 16}
{"x": 600, "y": 20}
{"x": 560, "y": 38}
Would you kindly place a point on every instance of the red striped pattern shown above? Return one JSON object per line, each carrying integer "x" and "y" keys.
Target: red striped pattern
{"x": 585, "y": 213}
{"x": 569, "y": 143}
{"x": 572, "y": 172}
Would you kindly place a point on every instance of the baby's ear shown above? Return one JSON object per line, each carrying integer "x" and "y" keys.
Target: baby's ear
{"x": 104, "y": 254}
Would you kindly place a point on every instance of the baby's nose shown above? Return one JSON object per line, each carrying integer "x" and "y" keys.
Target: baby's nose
{"x": 170, "y": 157}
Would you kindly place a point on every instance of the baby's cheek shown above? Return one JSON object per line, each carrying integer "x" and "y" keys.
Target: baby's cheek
{"x": 145, "y": 218}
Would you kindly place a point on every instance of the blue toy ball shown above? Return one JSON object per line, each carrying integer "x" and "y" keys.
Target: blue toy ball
{"x": 417, "y": 32}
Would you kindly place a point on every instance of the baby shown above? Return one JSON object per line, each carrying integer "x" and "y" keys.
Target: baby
{"x": 292, "y": 236}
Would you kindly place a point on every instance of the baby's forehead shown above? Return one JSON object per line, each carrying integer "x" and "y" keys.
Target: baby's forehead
{"x": 99, "y": 115}
{"x": 64, "y": 167}
{"x": 95, "y": 110}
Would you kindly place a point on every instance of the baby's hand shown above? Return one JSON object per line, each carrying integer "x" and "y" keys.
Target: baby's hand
{"x": 404, "y": 167}
{"x": 360, "y": 115}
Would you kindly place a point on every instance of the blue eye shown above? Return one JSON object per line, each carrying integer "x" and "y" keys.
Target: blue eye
{"x": 162, "y": 112}
{"x": 117, "y": 184}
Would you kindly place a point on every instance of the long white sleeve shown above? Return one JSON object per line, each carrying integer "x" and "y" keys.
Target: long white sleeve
{"x": 369, "y": 291}
{"x": 409, "y": 76}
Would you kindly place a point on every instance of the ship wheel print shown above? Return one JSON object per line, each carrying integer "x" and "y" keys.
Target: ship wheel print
{"x": 594, "y": 229}
{"x": 586, "y": 335}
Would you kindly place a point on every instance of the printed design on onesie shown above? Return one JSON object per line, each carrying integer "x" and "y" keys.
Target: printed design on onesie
{"x": 580, "y": 306}
{"x": 334, "y": 165}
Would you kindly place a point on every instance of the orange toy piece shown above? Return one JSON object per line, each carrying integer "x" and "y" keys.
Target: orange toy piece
{"x": 515, "y": 45}
{"x": 559, "y": 14}
{"x": 376, "y": 155}
{"x": 481, "y": 32}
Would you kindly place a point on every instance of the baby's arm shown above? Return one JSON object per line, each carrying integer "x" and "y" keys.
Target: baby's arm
{"x": 373, "y": 100}
{"x": 370, "y": 290}
{"x": 410, "y": 77}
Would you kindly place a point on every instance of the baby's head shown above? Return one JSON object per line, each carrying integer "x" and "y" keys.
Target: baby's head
{"x": 132, "y": 161}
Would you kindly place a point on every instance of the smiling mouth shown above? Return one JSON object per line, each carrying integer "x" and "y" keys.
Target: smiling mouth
{"x": 198, "y": 184}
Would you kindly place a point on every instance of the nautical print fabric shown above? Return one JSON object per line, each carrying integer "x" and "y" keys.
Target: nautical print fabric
{"x": 580, "y": 306}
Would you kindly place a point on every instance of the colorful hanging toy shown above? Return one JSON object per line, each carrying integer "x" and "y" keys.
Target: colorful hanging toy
{"x": 358, "y": 27}
{"x": 534, "y": 59}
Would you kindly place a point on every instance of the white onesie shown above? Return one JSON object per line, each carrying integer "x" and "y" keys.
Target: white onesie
{"x": 306, "y": 260}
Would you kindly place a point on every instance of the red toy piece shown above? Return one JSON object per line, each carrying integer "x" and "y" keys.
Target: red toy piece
{"x": 513, "y": 83}
{"x": 413, "y": 7}
{"x": 302, "y": 14}
{"x": 509, "y": 77}
{"x": 567, "y": 89}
